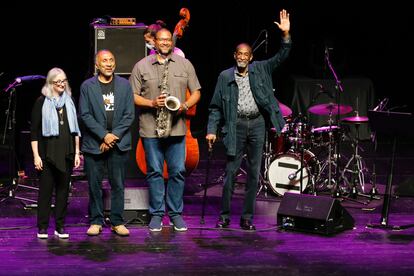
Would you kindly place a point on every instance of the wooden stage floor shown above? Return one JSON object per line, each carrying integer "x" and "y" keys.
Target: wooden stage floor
{"x": 205, "y": 250}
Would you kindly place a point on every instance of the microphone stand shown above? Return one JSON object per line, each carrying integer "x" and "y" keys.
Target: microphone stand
{"x": 10, "y": 131}
{"x": 336, "y": 192}
{"x": 301, "y": 157}
{"x": 265, "y": 41}
{"x": 301, "y": 169}
{"x": 300, "y": 142}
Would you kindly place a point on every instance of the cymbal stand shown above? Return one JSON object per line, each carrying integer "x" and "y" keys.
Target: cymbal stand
{"x": 357, "y": 170}
{"x": 263, "y": 181}
{"x": 330, "y": 160}
{"x": 337, "y": 192}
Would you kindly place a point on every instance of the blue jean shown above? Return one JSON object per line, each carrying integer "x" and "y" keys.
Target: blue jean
{"x": 172, "y": 150}
{"x": 115, "y": 160}
{"x": 250, "y": 139}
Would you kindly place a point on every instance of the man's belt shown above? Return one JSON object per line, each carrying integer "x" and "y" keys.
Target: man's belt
{"x": 248, "y": 116}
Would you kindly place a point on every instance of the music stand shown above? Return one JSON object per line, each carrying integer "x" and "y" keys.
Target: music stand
{"x": 394, "y": 124}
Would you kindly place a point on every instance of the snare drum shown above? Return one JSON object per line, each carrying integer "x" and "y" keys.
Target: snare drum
{"x": 284, "y": 172}
{"x": 320, "y": 135}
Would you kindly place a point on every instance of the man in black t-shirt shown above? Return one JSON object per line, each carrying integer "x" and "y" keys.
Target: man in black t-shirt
{"x": 107, "y": 111}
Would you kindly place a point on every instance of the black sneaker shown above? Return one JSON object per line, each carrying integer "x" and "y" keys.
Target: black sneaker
{"x": 247, "y": 224}
{"x": 61, "y": 233}
{"x": 42, "y": 234}
{"x": 223, "y": 223}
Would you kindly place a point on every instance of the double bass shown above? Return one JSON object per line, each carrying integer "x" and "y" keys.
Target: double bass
{"x": 191, "y": 144}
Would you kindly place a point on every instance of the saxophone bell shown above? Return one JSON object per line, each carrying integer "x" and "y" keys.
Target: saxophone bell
{"x": 172, "y": 103}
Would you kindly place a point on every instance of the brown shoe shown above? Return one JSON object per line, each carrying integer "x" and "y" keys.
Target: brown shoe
{"x": 120, "y": 230}
{"x": 94, "y": 230}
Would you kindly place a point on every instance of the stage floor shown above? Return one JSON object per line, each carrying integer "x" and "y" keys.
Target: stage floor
{"x": 205, "y": 250}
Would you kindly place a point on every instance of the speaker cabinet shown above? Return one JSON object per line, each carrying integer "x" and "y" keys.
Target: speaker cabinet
{"x": 136, "y": 206}
{"x": 315, "y": 214}
{"x": 125, "y": 42}
{"x": 406, "y": 188}
{"x": 136, "y": 198}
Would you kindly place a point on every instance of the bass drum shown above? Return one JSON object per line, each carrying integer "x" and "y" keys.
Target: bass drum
{"x": 284, "y": 172}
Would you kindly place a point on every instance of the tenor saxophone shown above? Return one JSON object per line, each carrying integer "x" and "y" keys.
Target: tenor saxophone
{"x": 165, "y": 114}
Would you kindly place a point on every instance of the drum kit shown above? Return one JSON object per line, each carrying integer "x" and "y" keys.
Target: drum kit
{"x": 290, "y": 164}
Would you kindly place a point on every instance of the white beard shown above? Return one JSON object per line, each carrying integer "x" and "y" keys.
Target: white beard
{"x": 242, "y": 64}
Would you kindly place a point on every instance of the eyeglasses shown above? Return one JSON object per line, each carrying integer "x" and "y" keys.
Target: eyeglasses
{"x": 60, "y": 82}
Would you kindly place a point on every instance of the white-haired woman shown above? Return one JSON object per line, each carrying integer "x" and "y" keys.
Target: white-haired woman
{"x": 55, "y": 145}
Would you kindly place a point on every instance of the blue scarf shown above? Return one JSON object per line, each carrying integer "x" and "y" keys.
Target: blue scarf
{"x": 50, "y": 121}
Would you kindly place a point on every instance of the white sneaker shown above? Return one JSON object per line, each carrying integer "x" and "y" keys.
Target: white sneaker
{"x": 61, "y": 233}
{"x": 42, "y": 234}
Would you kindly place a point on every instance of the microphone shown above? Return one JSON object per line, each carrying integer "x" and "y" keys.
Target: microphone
{"x": 381, "y": 105}
{"x": 327, "y": 49}
{"x": 266, "y": 41}
{"x": 29, "y": 78}
{"x": 292, "y": 176}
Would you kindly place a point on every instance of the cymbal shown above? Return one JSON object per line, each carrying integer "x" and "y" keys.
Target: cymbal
{"x": 329, "y": 108}
{"x": 356, "y": 119}
{"x": 286, "y": 111}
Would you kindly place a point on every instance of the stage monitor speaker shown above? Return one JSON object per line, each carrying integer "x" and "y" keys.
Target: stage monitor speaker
{"x": 136, "y": 202}
{"x": 406, "y": 188}
{"x": 136, "y": 198}
{"x": 125, "y": 42}
{"x": 315, "y": 214}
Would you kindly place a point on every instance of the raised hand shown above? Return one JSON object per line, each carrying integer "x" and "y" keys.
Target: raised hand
{"x": 284, "y": 24}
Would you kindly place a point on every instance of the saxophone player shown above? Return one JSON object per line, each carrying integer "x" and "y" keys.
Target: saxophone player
{"x": 162, "y": 131}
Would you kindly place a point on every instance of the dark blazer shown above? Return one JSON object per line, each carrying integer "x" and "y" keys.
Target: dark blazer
{"x": 93, "y": 114}
{"x": 223, "y": 106}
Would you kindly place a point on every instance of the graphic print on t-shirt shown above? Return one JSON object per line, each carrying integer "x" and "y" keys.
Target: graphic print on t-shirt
{"x": 109, "y": 101}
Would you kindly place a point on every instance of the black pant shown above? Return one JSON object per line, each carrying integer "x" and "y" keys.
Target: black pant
{"x": 249, "y": 138}
{"x": 50, "y": 178}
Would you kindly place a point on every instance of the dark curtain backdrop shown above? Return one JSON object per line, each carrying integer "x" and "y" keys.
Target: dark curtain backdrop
{"x": 369, "y": 40}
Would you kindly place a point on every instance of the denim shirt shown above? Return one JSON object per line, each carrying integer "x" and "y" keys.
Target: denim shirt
{"x": 223, "y": 105}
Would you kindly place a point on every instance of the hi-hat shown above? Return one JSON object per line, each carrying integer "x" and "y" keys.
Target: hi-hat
{"x": 329, "y": 108}
{"x": 356, "y": 119}
{"x": 286, "y": 111}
